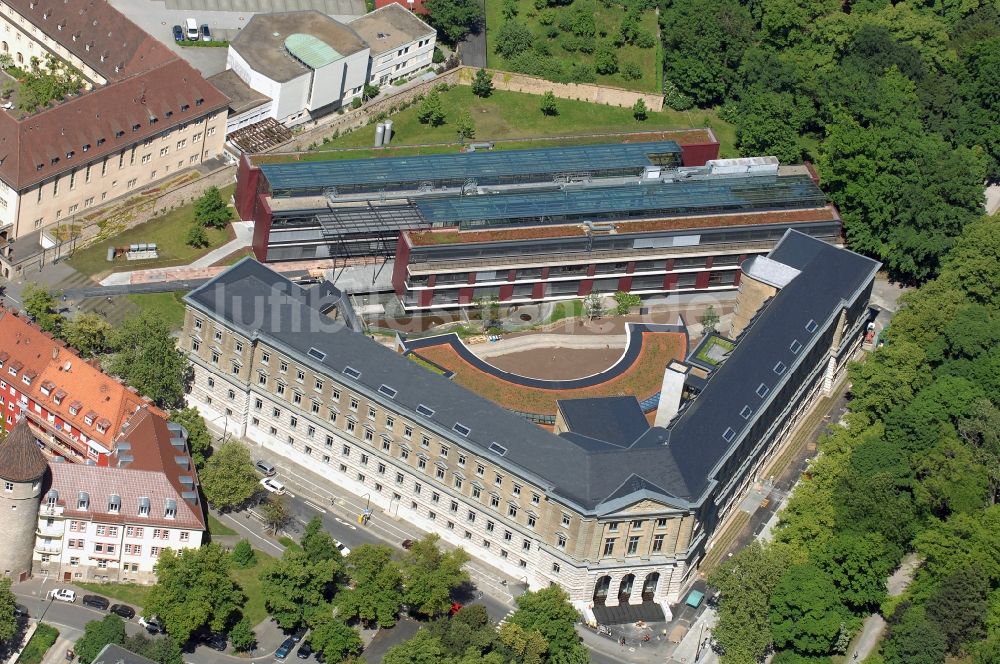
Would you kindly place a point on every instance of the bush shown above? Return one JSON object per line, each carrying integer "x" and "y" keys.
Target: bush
{"x": 631, "y": 71}
{"x": 243, "y": 555}
{"x": 551, "y": 32}
{"x": 639, "y": 110}
{"x": 482, "y": 83}
{"x": 570, "y": 43}
{"x": 676, "y": 99}
{"x": 587, "y": 46}
{"x": 547, "y": 17}
{"x": 625, "y": 302}
{"x": 438, "y": 56}
{"x": 356, "y": 103}
{"x": 581, "y": 72}
{"x": 542, "y": 48}
{"x": 509, "y": 9}
{"x": 644, "y": 39}
{"x": 370, "y": 91}
{"x": 513, "y": 38}
{"x": 606, "y": 60}
{"x": 548, "y": 105}
{"x": 196, "y": 237}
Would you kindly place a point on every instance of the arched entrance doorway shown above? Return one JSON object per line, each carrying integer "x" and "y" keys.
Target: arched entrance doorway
{"x": 601, "y": 589}
{"x": 649, "y": 586}
{"x": 625, "y": 589}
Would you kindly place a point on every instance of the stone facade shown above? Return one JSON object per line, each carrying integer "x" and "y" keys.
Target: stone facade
{"x": 18, "y": 507}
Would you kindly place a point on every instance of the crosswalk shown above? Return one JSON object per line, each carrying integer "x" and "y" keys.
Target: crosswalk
{"x": 503, "y": 621}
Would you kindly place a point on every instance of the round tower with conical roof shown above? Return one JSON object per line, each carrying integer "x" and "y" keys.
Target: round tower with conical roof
{"x": 22, "y": 471}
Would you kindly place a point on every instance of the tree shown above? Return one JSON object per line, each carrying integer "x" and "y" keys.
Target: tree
{"x": 632, "y": 72}
{"x": 470, "y": 632}
{"x": 889, "y": 378}
{"x": 97, "y": 634}
{"x": 430, "y": 110}
{"x": 958, "y": 607}
{"x": 528, "y": 647}
{"x": 548, "y": 105}
{"x": 465, "y": 126}
{"x": 639, "y": 110}
{"x": 370, "y": 91}
{"x": 293, "y": 586}
{"x": 973, "y": 264}
{"x": 8, "y": 621}
{"x": 489, "y": 311}
{"x": 858, "y": 567}
{"x": 164, "y": 650}
{"x": 805, "y": 612}
{"x": 210, "y": 211}
{"x": 454, "y": 19}
{"x": 41, "y": 306}
{"x": 87, "y": 333}
{"x": 915, "y": 640}
{"x": 334, "y": 639}
{"x": 430, "y": 575}
{"x": 376, "y": 590}
{"x": 194, "y": 590}
{"x": 228, "y": 478}
{"x": 709, "y": 319}
{"x": 145, "y": 356}
{"x": 243, "y": 555}
{"x": 512, "y": 38}
{"x": 275, "y": 513}
{"x": 317, "y": 544}
{"x": 745, "y": 583}
{"x": 196, "y": 237}
{"x": 592, "y": 305}
{"x": 199, "y": 440}
{"x": 423, "y": 648}
{"x": 482, "y": 83}
{"x": 242, "y": 635}
{"x": 626, "y": 302}
{"x": 549, "y": 613}
{"x": 771, "y": 123}
{"x": 606, "y": 60}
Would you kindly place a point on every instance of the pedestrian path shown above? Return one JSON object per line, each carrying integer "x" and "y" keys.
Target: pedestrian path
{"x": 244, "y": 236}
{"x": 57, "y": 653}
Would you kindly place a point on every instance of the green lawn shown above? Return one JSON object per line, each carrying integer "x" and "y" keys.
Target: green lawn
{"x": 168, "y": 305}
{"x": 40, "y": 642}
{"x": 512, "y": 116}
{"x": 130, "y": 593}
{"x": 561, "y": 310}
{"x": 168, "y": 231}
{"x": 216, "y": 527}
{"x": 247, "y": 578}
{"x": 607, "y": 19}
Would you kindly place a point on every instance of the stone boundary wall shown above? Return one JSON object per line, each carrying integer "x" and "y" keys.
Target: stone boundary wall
{"x": 595, "y": 94}
{"x": 122, "y": 215}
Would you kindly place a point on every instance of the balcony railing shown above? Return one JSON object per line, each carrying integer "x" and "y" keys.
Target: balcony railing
{"x": 49, "y": 531}
{"x": 48, "y": 548}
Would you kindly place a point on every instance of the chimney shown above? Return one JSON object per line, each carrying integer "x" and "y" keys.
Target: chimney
{"x": 55, "y": 352}
{"x": 671, "y": 391}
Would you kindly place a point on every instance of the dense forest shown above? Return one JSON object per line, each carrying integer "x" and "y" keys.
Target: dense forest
{"x": 897, "y": 104}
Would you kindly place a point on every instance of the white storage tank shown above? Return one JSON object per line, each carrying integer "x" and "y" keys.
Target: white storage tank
{"x": 379, "y": 134}
{"x": 388, "y": 132}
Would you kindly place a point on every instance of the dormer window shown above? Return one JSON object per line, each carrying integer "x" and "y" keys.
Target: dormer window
{"x": 52, "y": 498}
{"x": 47, "y": 388}
{"x": 119, "y": 133}
{"x": 83, "y": 501}
{"x": 69, "y": 155}
{"x": 86, "y": 147}
{"x": 169, "y": 114}
{"x": 26, "y": 379}
{"x": 136, "y": 127}
{"x": 103, "y": 426}
{"x": 12, "y": 371}
{"x": 39, "y": 167}
{"x": 55, "y": 160}
{"x": 89, "y": 419}
{"x": 58, "y": 397}
{"x": 170, "y": 509}
{"x": 100, "y": 141}
{"x": 144, "y": 506}
{"x": 114, "y": 504}
{"x": 199, "y": 101}
{"x": 185, "y": 107}
{"x": 153, "y": 120}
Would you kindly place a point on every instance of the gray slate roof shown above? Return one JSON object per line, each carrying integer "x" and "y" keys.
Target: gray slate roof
{"x": 679, "y": 462}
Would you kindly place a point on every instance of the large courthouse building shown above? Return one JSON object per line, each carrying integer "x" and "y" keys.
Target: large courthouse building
{"x": 614, "y": 510}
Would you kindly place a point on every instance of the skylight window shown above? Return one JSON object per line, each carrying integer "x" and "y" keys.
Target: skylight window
{"x": 425, "y": 411}
{"x": 462, "y": 429}
{"x": 795, "y": 347}
{"x": 316, "y": 354}
{"x": 746, "y": 412}
{"x": 728, "y": 435}
{"x": 387, "y": 391}
{"x": 352, "y": 372}
{"x": 811, "y": 326}
{"x": 779, "y": 368}
{"x": 763, "y": 390}
{"x": 498, "y": 449}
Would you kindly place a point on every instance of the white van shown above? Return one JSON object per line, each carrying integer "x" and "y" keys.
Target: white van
{"x": 192, "y": 29}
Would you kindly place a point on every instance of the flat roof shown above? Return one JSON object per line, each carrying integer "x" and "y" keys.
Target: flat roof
{"x": 242, "y": 97}
{"x": 708, "y": 193}
{"x": 390, "y": 27}
{"x": 262, "y": 42}
{"x": 313, "y": 175}
{"x": 311, "y": 51}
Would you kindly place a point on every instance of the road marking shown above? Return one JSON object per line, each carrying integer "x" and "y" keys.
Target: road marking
{"x": 314, "y": 506}
{"x": 262, "y": 539}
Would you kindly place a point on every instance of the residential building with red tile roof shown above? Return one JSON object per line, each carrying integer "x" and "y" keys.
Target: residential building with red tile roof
{"x": 142, "y": 115}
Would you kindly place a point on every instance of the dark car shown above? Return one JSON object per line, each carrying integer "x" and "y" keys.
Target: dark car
{"x": 20, "y": 611}
{"x": 285, "y": 648}
{"x": 214, "y": 641}
{"x": 299, "y": 633}
{"x": 96, "y": 602}
{"x": 125, "y": 611}
{"x": 407, "y": 543}
{"x": 304, "y": 651}
{"x": 178, "y": 33}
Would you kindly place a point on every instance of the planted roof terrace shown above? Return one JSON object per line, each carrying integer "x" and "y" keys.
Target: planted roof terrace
{"x": 485, "y": 168}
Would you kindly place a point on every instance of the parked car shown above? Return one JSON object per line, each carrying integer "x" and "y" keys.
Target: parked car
{"x": 206, "y": 34}
{"x": 298, "y": 634}
{"x": 96, "y": 602}
{"x": 63, "y": 594}
{"x": 344, "y": 551}
{"x": 213, "y": 640}
{"x": 407, "y": 543}
{"x": 304, "y": 651}
{"x": 124, "y": 610}
{"x": 285, "y": 648}
{"x": 192, "y": 29}
{"x": 178, "y": 33}
{"x": 265, "y": 467}
{"x": 20, "y": 611}
{"x": 272, "y": 485}
{"x": 152, "y": 625}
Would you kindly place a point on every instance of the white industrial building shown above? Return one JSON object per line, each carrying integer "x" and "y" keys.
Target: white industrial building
{"x": 296, "y": 66}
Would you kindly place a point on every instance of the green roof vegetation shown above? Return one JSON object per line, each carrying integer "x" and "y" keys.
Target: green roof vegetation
{"x": 713, "y": 349}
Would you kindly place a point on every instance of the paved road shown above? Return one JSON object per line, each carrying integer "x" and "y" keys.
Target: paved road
{"x": 472, "y": 50}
